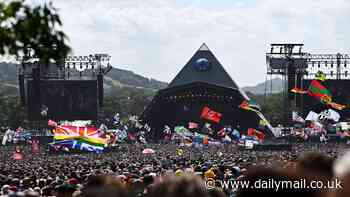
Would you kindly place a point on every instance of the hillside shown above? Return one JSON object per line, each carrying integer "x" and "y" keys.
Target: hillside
{"x": 259, "y": 89}
{"x": 118, "y": 79}
{"x": 114, "y": 80}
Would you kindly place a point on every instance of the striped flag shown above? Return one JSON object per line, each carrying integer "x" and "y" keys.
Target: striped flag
{"x": 316, "y": 89}
{"x": 82, "y": 138}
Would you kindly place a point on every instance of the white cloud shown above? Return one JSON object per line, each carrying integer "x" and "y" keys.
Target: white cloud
{"x": 157, "y": 37}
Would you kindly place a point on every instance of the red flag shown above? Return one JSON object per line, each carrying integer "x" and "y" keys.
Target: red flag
{"x": 260, "y": 135}
{"x": 298, "y": 91}
{"x": 209, "y": 114}
{"x": 244, "y": 105}
{"x": 252, "y": 132}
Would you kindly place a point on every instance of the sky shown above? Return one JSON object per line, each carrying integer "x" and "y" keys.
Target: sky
{"x": 156, "y": 38}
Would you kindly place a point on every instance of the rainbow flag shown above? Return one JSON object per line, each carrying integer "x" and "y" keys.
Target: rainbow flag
{"x": 74, "y": 144}
{"x": 89, "y": 140}
{"x": 83, "y": 138}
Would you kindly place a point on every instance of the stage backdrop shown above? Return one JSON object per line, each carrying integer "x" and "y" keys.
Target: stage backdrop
{"x": 63, "y": 100}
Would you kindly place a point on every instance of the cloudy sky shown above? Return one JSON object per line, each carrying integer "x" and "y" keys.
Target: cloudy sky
{"x": 156, "y": 38}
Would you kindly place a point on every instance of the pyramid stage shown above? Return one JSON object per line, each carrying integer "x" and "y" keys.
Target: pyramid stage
{"x": 201, "y": 83}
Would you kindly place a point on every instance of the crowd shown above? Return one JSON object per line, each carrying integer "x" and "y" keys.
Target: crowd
{"x": 172, "y": 171}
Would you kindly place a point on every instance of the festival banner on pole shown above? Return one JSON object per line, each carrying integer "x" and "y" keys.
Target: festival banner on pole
{"x": 211, "y": 115}
{"x": 82, "y": 138}
{"x": 317, "y": 90}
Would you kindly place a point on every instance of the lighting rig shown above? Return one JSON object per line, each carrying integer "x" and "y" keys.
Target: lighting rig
{"x": 76, "y": 69}
{"x": 294, "y": 66}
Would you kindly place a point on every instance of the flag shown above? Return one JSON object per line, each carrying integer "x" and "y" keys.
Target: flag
{"x": 207, "y": 129}
{"x": 222, "y": 132}
{"x": 316, "y": 89}
{"x": 52, "y": 123}
{"x": 245, "y": 105}
{"x": 255, "y": 133}
{"x": 263, "y": 122}
{"x": 312, "y": 116}
{"x": 235, "y": 134}
{"x": 227, "y": 139}
{"x": 75, "y": 144}
{"x": 337, "y": 106}
{"x": 320, "y": 76}
{"x": 192, "y": 125}
{"x": 86, "y": 139}
{"x": 298, "y": 91}
{"x": 297, "y": 118}
{"x": 82, "y": 138}
{"x": 182, "y": 131}
{"x": 121, "y": 135}
{"x": 212, "y": 115}
{"x": 260, "y": 135}
{"x": 316, "y": 128}
{"x": 5, "y": 138}
{"x": 78, "y": 131}
{"x": 329, "y": 114}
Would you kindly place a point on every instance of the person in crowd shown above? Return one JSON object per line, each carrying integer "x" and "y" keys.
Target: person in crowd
{"x": 126, "y": 171}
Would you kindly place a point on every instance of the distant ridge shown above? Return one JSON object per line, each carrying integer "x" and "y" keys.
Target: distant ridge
{"x": 119, "y": 78}
{"x": 115, "y": 79}
{"x": 259, "y": 89}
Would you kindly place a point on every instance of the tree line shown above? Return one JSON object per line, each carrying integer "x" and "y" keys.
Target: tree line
{"x": 126, "y": 102}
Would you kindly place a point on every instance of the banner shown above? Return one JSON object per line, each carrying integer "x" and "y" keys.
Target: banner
{"x": 312, "y": 116}
{"x": 330, "y": 115}
{"x": 211, "y": 115}
{"x": 82, "y": 138}
{"x": 255, "y": 133}
{"x": 317, "y": 90}
{"x": 297, "y": 118}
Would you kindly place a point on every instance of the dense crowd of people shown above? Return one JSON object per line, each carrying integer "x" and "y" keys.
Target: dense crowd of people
{"x": 172, "y": 171}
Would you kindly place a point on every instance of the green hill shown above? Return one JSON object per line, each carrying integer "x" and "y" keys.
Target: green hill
{"x": 114, "y": 80}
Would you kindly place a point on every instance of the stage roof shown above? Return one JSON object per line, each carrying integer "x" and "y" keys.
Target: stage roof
{"x": 203, "y": 67}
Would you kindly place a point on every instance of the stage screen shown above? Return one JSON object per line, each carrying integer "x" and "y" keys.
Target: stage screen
{"x": 340, "y": 94}
{"x": 63, "y": 100}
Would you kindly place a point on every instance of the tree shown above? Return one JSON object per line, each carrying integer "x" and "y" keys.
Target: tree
{"x": 24, "y": 27}
{"x": 272, "y": 108}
